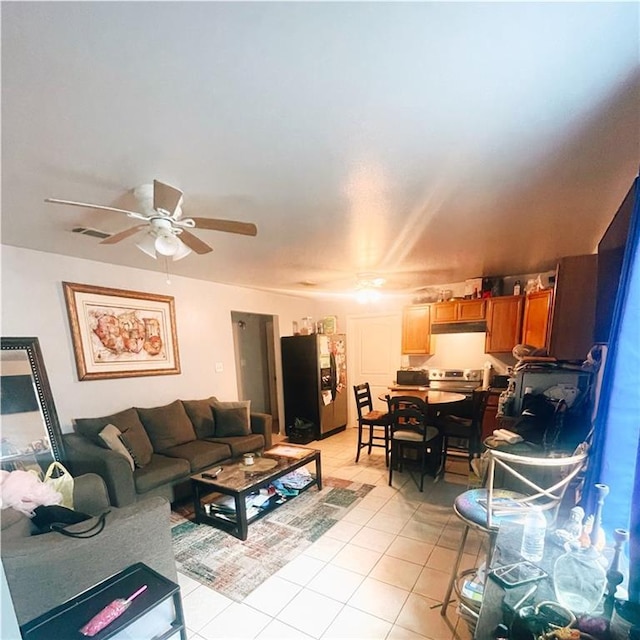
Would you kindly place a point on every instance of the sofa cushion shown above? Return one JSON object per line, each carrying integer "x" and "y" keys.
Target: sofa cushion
{"x": 199, "y": 454}
{"x": 112, "y": 437}
{"x": 161, "y": 470}
{"x": 241, "y": 444}
{"x": 232, "y": 418}
{"x": 200, "y": 413}
{"x": 128, "y": 421}
{"x": 167, "y": 426}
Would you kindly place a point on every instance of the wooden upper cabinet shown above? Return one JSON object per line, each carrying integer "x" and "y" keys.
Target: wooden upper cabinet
{"x": 574, "y": 307}
{"x": 416, "y": 329}
{"x": 504, "y": 322}
{"x": 458, "y": 311}
{"x": 468, "y": 310}
{"x": 444, "y": 311}
{"x": 537, "y": 319}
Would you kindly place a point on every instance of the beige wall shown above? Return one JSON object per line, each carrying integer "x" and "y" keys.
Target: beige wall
{"x": 33, "y": 305}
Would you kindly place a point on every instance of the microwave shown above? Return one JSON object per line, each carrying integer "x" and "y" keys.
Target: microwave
{"x": 412, "y": 377}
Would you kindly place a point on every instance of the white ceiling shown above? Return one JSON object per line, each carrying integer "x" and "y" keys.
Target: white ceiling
{"x": 428, "y": 142}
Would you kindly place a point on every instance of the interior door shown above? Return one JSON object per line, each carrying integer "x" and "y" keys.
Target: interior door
{"x": 374, "y": 355}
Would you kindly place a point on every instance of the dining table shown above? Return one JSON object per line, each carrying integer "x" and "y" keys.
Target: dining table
{"x": 430, "y": 396}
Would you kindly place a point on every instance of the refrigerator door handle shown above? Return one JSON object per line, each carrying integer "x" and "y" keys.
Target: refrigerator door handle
{"x": 334, "y": 376}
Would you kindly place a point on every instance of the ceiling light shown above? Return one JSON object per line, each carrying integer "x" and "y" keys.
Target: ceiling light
{"x": 365, "y": 295}
{"x": 167, "y": 245}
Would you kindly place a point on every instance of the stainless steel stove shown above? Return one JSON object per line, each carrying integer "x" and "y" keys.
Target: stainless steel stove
{"x": 458, "y": 380}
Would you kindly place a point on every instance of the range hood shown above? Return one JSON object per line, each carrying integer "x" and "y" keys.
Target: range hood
{"x": 479, "y": 326}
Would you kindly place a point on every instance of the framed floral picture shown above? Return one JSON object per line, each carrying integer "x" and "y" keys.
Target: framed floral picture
{"x": 120, "y": 334}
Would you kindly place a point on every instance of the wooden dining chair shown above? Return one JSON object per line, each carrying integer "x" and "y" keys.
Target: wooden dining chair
{"x": 411, "y": 430}
{"x": 542, "y": 482}
{"x": 373, "y": 425}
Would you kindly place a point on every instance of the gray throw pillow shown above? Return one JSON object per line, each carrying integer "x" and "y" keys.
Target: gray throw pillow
{"x": 128, "y": 422}
{"x": 167, "y": 426}
{"x": 200, "y": 413}
{"x": 112, "y": 437}
{"x": 232, "y": 418}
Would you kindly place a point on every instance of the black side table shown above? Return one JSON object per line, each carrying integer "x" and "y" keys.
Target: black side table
{"x": 64, "y": 622}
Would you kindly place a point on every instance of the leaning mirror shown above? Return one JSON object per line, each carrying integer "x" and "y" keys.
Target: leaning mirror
{"x": 30, "y": 431}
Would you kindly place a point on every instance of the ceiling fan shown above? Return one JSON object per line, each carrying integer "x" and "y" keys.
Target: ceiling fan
{"x": 167, "y": 232}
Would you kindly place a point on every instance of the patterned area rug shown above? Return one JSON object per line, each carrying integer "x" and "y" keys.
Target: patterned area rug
{"x": 235, "y": 568}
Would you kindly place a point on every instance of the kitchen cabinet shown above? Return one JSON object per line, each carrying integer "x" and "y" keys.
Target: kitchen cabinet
{"x": 504, "y": 323}
{"x": 490, "y": 415}
{"x": 562, "y": 319}
{"x": 416, "y": 329}
{"x": 458, "y": 311}
{"x": 537, "y": 318}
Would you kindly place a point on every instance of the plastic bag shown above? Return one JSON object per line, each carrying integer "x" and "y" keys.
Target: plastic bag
{"x": 62, "y": 483}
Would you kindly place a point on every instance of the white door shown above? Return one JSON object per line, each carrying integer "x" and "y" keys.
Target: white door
{"x": 373, "y": 356}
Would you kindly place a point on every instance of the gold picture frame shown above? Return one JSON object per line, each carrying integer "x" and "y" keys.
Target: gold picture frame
{"x": 121, "y": 334}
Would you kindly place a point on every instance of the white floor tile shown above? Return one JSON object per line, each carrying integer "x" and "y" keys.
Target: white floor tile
{"x": 324, "y": 548}
{"x": 343, "y": 531}
{"x": 279, "y": 630}
{"x": 272, "y": 595}
{"x": 356, "y": 559}
{"x": 353, "y": 623}
{"x": 398, "y": 633}
{"x": 373, "y": 539}
{"x": 379, "y": 599}
{"x": 187, "y": 584}
{"x": 310, "y": 612}
{"x": 414, "y": 551}
{"x": 301, "y": 569}
{"x": 336, "y": 582}
{"x": 237, "y": 621}
{"x": 399, "y": 573}
{"x": 202, "y": 605}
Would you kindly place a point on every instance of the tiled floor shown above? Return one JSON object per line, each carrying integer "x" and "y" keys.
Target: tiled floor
{"x": 380, "y": 573}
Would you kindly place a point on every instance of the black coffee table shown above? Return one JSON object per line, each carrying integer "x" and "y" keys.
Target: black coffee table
{"x": 240, "y": 481}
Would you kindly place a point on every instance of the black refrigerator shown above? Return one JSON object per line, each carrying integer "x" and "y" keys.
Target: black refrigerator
{"x": 314, "y": 376}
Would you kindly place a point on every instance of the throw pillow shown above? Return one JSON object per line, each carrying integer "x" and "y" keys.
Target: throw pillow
{"x": 167, "y": 426}
{"x": 128, "y": 422}
{"x": 232, "y": 418}
{"x": 111, "y": 435}
{"x": 200, "y": 413}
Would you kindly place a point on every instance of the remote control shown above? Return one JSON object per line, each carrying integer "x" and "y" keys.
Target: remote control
{"x": 212, "y": 475}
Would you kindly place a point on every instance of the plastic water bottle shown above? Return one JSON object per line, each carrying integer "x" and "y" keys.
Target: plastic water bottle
{"x": 535, "y": 527}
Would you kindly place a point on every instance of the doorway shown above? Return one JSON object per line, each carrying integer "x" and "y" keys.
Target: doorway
{"x": 374, "y": 355}
{"x": 254, "y": 339}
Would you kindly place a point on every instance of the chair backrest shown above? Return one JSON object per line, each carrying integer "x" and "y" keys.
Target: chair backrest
{"x": 363, "y": 398}
{"x": 543, "y": 480}
{"x": 410, "y": 413}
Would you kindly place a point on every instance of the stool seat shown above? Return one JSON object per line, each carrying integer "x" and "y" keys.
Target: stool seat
{"x": 376, "y": 416}
{"x": 471, "y": 506}
{"x": 373, "y": 425}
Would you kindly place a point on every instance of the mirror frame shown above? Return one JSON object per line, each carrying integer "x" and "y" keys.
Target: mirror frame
{"x": 45, "y": 398}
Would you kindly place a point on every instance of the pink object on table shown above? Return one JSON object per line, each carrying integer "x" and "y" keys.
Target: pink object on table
{"x": 107, "y": 615}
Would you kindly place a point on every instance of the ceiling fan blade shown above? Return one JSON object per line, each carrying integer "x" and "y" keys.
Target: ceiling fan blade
{"x": 117, "y": 237}
{"x": 166, "y": 197}
{"x": 87, "y": 205}
{"x": 230, "y": 226}
{"x": 194, "y": 243}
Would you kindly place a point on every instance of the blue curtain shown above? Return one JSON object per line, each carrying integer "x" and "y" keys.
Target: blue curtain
{"x": 616, "y": 445}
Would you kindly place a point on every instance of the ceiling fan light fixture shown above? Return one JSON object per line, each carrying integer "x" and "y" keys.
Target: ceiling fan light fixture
{"x": 167, "y": 245}
{"x": 148, "y": 245}
{"x": 182, "y": 252}
{"x": 366, "y": 295}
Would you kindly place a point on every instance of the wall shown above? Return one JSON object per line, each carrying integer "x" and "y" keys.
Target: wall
{"x": 33, "y": 305}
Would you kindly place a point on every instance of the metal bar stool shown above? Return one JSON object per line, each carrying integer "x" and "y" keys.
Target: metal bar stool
{"x": 483, "y": 509}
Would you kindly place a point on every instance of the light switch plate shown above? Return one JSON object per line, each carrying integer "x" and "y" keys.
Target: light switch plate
{"x": 219, "y": 367}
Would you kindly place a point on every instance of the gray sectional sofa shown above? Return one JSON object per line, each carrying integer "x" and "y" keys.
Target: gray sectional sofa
{"x": 156, "y": 449}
